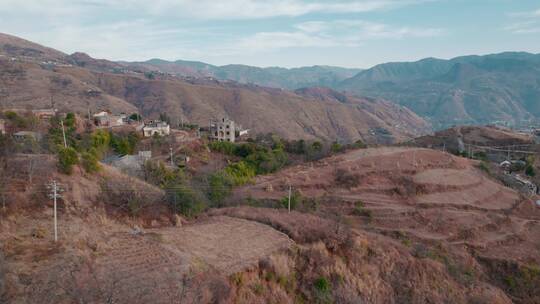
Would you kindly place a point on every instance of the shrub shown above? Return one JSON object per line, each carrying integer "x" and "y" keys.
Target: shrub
{"x": 244, "y": 150}
{"x": 224, "y": 147}
{"x": 484, "y": 166}
{"x": 156, "y": 173}
{"x": 124, "y": 144}
{"x": 337, "y": 147}
{"x": 240, "y": 173}
{"x": 346, "y": 179}
{"x": 186, "y": 200}
{"x": 296, "y": 200}
{"x": 100, "y": 141}
{"x": 359, "y": 144}
{"x": 220, "y": 186}
{"x": 529, "y": 170}
{"x": 67, "y": 157}
{"x": 322, "y": 285}
{"x": 258, "y": 288}
{"x": 359, "y": 210}
{"x": 128, "y": 195}
{"x": 265, "y": 161}
{"x": 90, "y": 162}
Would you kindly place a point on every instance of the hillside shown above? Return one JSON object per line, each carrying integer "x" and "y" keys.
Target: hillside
{"x": 254, "y": 255}
{"x": 464, "y": 90}
{"x": 275, "y": 77}
{"x": 437, "y": 205}
{"x": 80, "y": 83}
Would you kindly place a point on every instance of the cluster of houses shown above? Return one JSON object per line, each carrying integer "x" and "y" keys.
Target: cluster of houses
{"x": 42, "y": 114}
{"x": 149, "y": 128}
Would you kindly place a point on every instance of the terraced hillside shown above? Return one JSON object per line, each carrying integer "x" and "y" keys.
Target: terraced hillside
{"x": 417, "y": 194}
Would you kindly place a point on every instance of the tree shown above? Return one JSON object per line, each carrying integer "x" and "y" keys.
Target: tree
{"x": 220, "y": 186}
{"x": 67, "y": 157}
{"x": 100, "y": 141}
{"x": 90, "y": 161}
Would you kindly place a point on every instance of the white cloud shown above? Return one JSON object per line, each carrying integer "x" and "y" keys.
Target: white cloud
{"x": 528, "y": 23}
{"x": 203, "y": 9}
{"x": 341, "y": 33}
{"x": 190, "y": 29}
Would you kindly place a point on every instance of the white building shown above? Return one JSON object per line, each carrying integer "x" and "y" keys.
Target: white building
{"x": 156, "y": 127}
{"x": 106, "y": 119}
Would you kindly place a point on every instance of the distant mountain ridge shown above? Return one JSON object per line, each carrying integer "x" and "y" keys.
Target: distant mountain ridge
{"x": 276, "y": 77}
{"x": 501, "y": 87}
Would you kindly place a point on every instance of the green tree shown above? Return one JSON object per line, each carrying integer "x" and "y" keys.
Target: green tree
{"x": 100, "y": 142}
{"x": 220, "y": 186}
{"x": 240, "y": 173}
{"x": 90, "y": 161}
{"x": 67, "y": 157}
{"x": 186, "y": 200}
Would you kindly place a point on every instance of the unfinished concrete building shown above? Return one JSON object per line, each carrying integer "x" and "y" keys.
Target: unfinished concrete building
{"x": 223, "y": 130}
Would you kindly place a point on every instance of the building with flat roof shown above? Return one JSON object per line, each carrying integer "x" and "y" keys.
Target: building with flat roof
{"x": 156, "y": 127}
{"x": 226, "y": 130}
{"x": 223, "y": 130}
{"x": 106, "y": 119}
{"x": 22, "y": 135}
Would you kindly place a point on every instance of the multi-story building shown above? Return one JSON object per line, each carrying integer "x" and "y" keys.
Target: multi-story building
{"x": 223, "y": 130}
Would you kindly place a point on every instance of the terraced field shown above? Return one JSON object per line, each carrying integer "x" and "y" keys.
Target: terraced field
{"x": 419, "y": 193}
{"x": 157, "y": 266}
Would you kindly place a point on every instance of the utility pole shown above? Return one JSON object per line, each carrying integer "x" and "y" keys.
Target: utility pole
{"x": 170, "y": 150}
{"x": 55, "y": 195}
{"x": 289, "y": 207}
{"x": 63, "y": 133}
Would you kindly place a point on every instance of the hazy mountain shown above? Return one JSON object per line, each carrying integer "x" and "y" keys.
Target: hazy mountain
{"x": 463, "y": 90}
{"x": 81, "y": 83}
{"x": 275, "y": 77}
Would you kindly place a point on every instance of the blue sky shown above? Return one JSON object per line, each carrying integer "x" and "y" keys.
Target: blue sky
{"x": 286, "y": 33}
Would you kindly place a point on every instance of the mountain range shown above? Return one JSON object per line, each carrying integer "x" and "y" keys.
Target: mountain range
{"x": 501, "y": 87}
{"x": 497, "y": 88}
{"x": 34, "y": 76}
{"x": 277, "y": 77}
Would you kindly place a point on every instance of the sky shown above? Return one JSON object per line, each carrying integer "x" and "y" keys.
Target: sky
{"x": 287, "y": 33}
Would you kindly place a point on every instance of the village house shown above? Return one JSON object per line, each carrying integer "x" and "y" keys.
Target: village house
{"x": 24, "y": 135}
{"x": 44, "y": 114}
{"x": 226, "y": 130}
{"x": 106, "y": 119}
{"x": 156, "y": 127}
{"x": 2, "y": 127}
